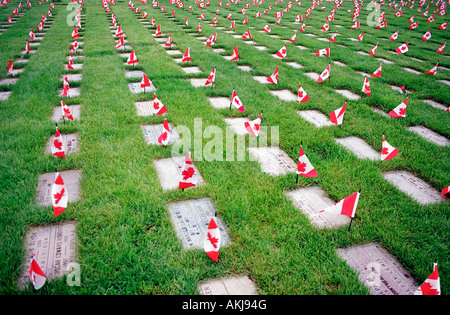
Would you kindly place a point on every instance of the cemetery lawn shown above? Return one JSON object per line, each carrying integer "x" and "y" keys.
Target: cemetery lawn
{"x": 126, "y": 242}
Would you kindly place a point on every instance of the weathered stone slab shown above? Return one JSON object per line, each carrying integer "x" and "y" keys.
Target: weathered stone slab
{"x": 430, "y": 135}
{"x": 261, "y": 47}
{"x": 191, "y": 218}
{"x": 70, "y": 143}
{"x": 312, "y": 75}
{"x": 385, "y": 61}
{"x": 8, "y": 81}
{"x": 191, "y": 70}
{"x": 135, "y": 88}
{"x": 237, "y": 124}
{"x": 54, "y": 248}
{"x": 169, "y": 172}
{"x": 295, "y": 65}
{"x": 250, "y": 42}
{"x": 72, "y": 77}
{"x": 261, "y": 79}
{"x": 73, "y": 92}
{"x": 220, "y": 102}
{"x": 273, "y": 160}
{"x": 152, "y": 133}
{"x": 21, "y": 60}
{"x": 245, "y": 68}
{"x": 75, "y": 110}
{"x": 412, "y": 71}
{"x": 75, "y": 66}
{"x": 197, "y": 82}
{"x": 134, "y": 74}
{"x": 71, "y": 180}
{"x": 359, "y": 147}
{"x": 229, "y": 286}
{"x": 378, "y": 270}
{"x": 340, "y": 64}
{"x": 4, "y": 95}
{"x": 284, "y": 95}
{"x": 348, "y": 94}
{"x": 315, "y": 117}
{"x": 310, "y": 201}
{"x": 173, "y": 52}
{"x": 219, "y": 50}
{"x": 436, "y": 104}
{"x": 447, "y": 82}
{"x": 362, "y": 53}
{"x": 379, "y": 111}
{"x": 301, "y": 47}
{"x": 363, "y": 74}
{"x": 15, "y": 72}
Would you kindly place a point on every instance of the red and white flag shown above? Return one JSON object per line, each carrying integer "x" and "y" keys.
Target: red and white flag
{"x": 211, "y": 78}
{"x": 324, "y": 75}
{"x": 445, "y": 190}
{"x": 304, "y": 166}
{"x": 374, "y": 50}
{"x": 346, "y": 206}
{"x": 443, "y": 26}
{"x": 168, "y": 43}
{"x": 187, "y": 55}
{"x": 10, "y": 67}
{"x": 430, "y": 19}
{"x": 337, "y": 116}
{"x": 211, "y": 243}
{"x": 431, "y": 285}
{"x": 323, "y": 52}
{"x": 164, "y": 138}
{"x": 59, "y": 195}
{"x": 366, "y": 87}
{"x": 31, "y": 35}
{"x": 377, "y": 73}
{"x": 355, "y": 25}
{"x": 158, "y": 107}
{"x": 236, "y": 102}
{"x": 400, "y": 110}
{"x": 189, "y": 177}
{"x": 441, "y": 48}
{"x": 266, "y": 28}
{"x": 153, "y": 23}
{"x": 402, "y": 49}
{"x": 119, "y": 31}
{"x": 199, "y": 28}
{"x": 282, "y": 52}
{"x": 132, "y": 59}
{"x": 245, "y": 21}
{"x": 210, "y": 41}
{"x": 158, "y": 30}
{"x": 247, "y": 35}
{"x": 299, "y": 18}
{"x": 333, "y": 37}
{"x": 75, "y": 33}
{"x": 293, "y": 38}
{"x": 274, "y": 76}
{"x": 426, "y": 36}
{"x": 66, "y": 87}
{"x": 65, "y": 111}
{"x": 414, "y": 25}
{"x": 433, "y": 70}
{"x": 144, "y": 15}
{"x": 253, "y": 126}
{"x": 232, "y": 25}
{"x": 302, "y": 28}
{"x": 235, "y": 54}
{"x": 302, "y": 96}
{"x": 145, "y": 82}
{"x": 325, "y": 27}
{"x": 411, "y": 19}
{"x": 387, "y": 151}
{"x": 394, "y": 36}
{"x": 57, "y": 146}
{"x": 119, "y": 43}
{"x": 360, "y": 37}
{"x": 37, "y": 276}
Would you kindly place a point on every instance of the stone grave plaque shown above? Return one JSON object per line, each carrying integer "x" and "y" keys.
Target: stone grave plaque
{"x": 398, "y": 89}
{"x": 4, "y": 95}
{"x": 363, "y": 74}
{"x": 124, "y": 55}
{"x": 413, "y": 186}
{"x": 301, "y": 47}
{"x": 173, "y": 52}
{"x": 348, "y": 94}
{"x": 274, "y": 36}
{"x": 71, "y": 180}
{"x": 237, "y": 124}
{"x": 229, "y": 286}
{"x": 169, "y": 171}
{"x": 21, "y": 60}
{"x": 273, "y": 160}
{"x": 245, "y": 68}
{"x": 34, "y": 44}
{"x": 17, "y": 71}
{"x": 378, "y": 270}
{"x": 412, "y": 71}
{"x": 229, "y": 32}
{"x": 430, "y": 135}
{"x": 191, "y": 218}
{"x": 72, "y": 77}
{"x": 284, "y": 95}
{"x": 359, "y": 147}
{"x": 295, "y": 65}
{"x": 276, "y": 57}
{"x": 161, "y": 39}
{"x": 197, "y": 82}
{"x": 261, "y": 47}
{"x": 250, "y": 42}
{"x": 219, "y": 50}
{"x": 261, "y": 79}
{"x": 73, "y": 92}
{"x": 191, "y": 70}
{"x": 379, "y": 111}
{"x": 135, "y": 88}
{"x": 75, "y": 66}
{"x": 362, "y": 53}
{"x": 54, "y": 248}
{"x": 79, "y": 57}
{"x": 236, "y": 36}
{"x": 8, "y": 81}
{"x": 227, "y": 58}
{"x": 315, "y": 117}
{"x": 178, "y": 60}
{"x": 447, "y": 82}
{"x": 310, "y": 35}
{"x": 134, "y": 74}
{"x": 75, "y": 110}
{"x": 312, "y": 75}
{"x": 416, "y": 59}
{"x": 220, "y": 102}
{"x": 435, "y": 104}
{"x": 340, "y": 64}
{"x": 152, "y": 133}
{"x": 144, "y": 108}
{"x": 70, "y": 143}
{"x": 385, "y": 61}
{"x": 310, "y": 201}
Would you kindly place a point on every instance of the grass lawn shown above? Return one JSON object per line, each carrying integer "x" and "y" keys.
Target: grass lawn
{"x": 126, "y": 243}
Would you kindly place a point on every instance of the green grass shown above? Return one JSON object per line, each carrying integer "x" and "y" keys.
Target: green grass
{"x": 126, "y": 242}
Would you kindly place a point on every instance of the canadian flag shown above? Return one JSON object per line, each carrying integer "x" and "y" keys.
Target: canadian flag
{"x": 346, "y": 206}
{"x": 431, "y": 285}
{"x": 189, "y": 176}
{"x": 132, "y": 59}
{"x": 274, "y": 77}
{"x": 360, "y": 37}
{"x": 282, "y": 52}
{"x": 235, "y": 54}
{"x": 211, "y": 78}
{"x": 75, "y": 33}
{"x": 210, "y": 41}
{"x": 186, "y": 21}
{"x": 325, "y": 27}
{"x": 168, "y": 43}
{"x": 387, "y": 151}
{"x": 164, "y": 138}
{"x": 394, "y": 36}
{"x": 232, "y": 25}
{"x": 253, "y": 126}
{"x": 187, "y": 55}
{"x": 382, "y": 25}
{"x": 293, "y": 38}
{"x": 144, "y": 15}
{"x": 366, "y": 87}
{"x": 31, "y": 35}
{"x": 445, "y": 190}
{"x": 413, "y": 25}
{"x": 374, "y": 50}
{"x": 433, "y": 70}
{"x": 304, "y": 166}
{"x": 441, "y": 48}
{"x": 65, "y": 111}
{"x": 10, "y": 67}
{"x": 59, "y": 195}
{"x": 430, "y": 19}
{"x": 158, "y": 30}
{"x": 211, "y": 242}
{"x": 299, "y": 18}
{"x": 426, "y": 36}
{"x": 145, "y": 82}
{"x": 245, "y": 21}
{"x": 266, "y": 28}
{"x": 302, "y": 28}
{"x": 337, "y": 116}
{"x": 236, "y": 102}
{"x": 157, "y": 107}
{"x": 377, "y": 73}
{"x": 119, "y": 31}
{"x": 324, "y": 75}
{"x": 302, "y": 96}
{"x": 355, "y": 25}
{"x": 119, "y": 43}
{"x": 443, "y": 26}
{"x": 322, "y": 52}
{"x": 57, "y": 145}
{"x": 214, "y": 22}
{"x": 247, "y": 35}
{"x": 37, "y": 276}
{"x": 400, "y": 110}
{"x": 258, "y": 14}
{"x": 199, "y": 28}
{"x": 229, "y": 16}
{"x": 65, "y": 87}
{"x": 402, "y": 49}
{"x": 333, "y": 37}
{"x": 29, "y": 3}
{"x": 411, "y": 19}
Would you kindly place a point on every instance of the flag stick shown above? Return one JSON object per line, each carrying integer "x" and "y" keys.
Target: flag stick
{"x": 296, "y": 181}
{"x": 351, "y": 220}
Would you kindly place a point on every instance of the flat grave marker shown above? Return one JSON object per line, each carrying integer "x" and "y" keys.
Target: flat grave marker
{"x": 273, "y": 160}
{"x": 237, "y": 124}
{"x": 316, "y": 118}
{"x": 430, "y": 135}
{"x": 70, "y": 143}
{"x": 75, "y": 110}
{"x": 359, "y": 147}
{"x": 152, "y": 133}
{"x": 136, "y": 88}
{"x": 285, "y": 95}
{"x": 220, "y": 102}
{"x": 71, "y": 180}
{"x": 229, "y": 286}
{"x": 169, "y": 172}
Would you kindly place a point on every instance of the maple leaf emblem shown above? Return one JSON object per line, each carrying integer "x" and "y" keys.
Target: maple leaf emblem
{"x": 384, "y": 151}
{"x": 188, "y": 173}
{"x": 402, "y": 111}
{"x": 256, "y": 127}
{"x": 156, "y": 105}
{"x": 301, "y": 167}
{"x": 163, "y": 136}
{"x": 57, "y": 144}
{"x": 57, "y": 197}
{"x": 213, "y": 240}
